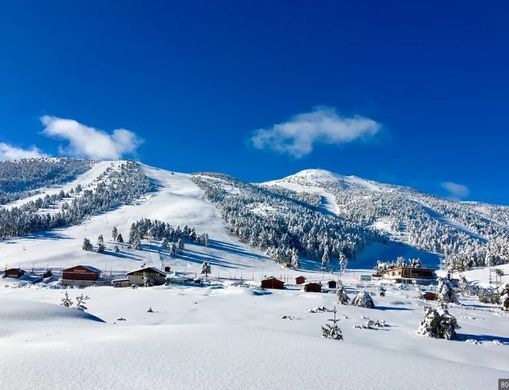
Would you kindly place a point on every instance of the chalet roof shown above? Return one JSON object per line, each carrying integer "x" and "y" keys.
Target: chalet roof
{"x": 147, "y": 269}
{"x": 87, "y": 267}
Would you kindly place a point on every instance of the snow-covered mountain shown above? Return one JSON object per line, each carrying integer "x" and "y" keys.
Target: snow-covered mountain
{"x": 314, "y": 214}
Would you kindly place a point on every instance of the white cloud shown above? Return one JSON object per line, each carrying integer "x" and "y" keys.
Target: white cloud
{"x": 9, "y": 152}
{"x": 88, "y": 142}
{"x": 298, "y": 136}
{"x": 456, "y": 191}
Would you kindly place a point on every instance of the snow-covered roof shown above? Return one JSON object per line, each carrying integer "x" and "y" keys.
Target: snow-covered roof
{"x": 153, "y": 269}
{"x": 87, "y": 267}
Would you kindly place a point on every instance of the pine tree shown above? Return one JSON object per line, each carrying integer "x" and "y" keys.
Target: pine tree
{"x": 341, "y": 295}
{"x": 205, "y": 268}
{"x": 137, "y": 244}
{"x": 295, "y": 262}
{"x": 343, "y": 261}
{"x": 363, "y": 299}
{"x": 80, "y": 303}
{"x": 114, "y": 233}
{"x": 438, "y": 324}
{"x": 445, "y": 292}
{"x": 87, "y": 245}
{"x": 100, "y": 244}
{"x": 120, "y": 239}
{"x": 180, "y": 246}
{"x": 173, "y": 250}
{"x": 325, "y": 259}
{"x": 332, "y": 331}
{"x": 66, "y": 301}
{"x": 164, "y": 243}
{"x": 504, "y": 297}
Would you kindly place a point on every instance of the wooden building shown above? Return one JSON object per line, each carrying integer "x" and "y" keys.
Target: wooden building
{"x": 410, "y": 275}
{"x": 80, "y": 275}
{"x": 430, "y": 296}
{"x": 120, "y": 283}
{"x": 313, "y": 287}
{"x": 14, "y": 273}
{"x": 332, "y": 284}
{"x": 148, "y": 276}
{"x": 273, "y": 283}
{"x": 300, "y": 280}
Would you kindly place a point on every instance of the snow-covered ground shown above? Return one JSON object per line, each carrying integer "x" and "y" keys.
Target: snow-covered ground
{"x": 231, "y": 337}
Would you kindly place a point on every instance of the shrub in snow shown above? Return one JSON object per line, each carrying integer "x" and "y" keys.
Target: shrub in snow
{"x": 80, "y": 303}
{"x": 332, "y": 331}
{"x": 363, "y": 299}
{"x": 488, "y": 295}
{"x": 504, "y": 297}
{"x": 87, "y": 245}
{"x": 439, "y": 324}
{"x": 445, "y": 292}
{"x": 341, "y": 295}
{"x": 66, "y": 301}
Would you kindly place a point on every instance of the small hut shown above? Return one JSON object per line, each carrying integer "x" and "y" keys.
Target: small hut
{"x": 332, "y": 284}
{"x": 273, "y": 283}
{"x": 313, "y": 287}
{"x": 300, "y": 280}
{"x": 14, "y": 273}
{"x": 430, "y": 296}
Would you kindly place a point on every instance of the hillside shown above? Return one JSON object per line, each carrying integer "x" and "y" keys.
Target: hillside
{"x": 296, "y": 219}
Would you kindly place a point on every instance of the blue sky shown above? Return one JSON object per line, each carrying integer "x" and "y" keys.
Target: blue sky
{"x": 400, "y": 92}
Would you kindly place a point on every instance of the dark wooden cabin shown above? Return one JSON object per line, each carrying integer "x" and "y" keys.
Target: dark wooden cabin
{"x": 80, "y": 275}
{"x": 313, "y": 287}
{"x": 273, "y": 283}
{"x": 300, "y": 280}
{"x": 14, "y": 273}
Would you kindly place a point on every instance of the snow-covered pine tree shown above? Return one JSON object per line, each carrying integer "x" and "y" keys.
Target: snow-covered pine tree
{"x": 325, "y": 259}
{"x": 343, "y": 262}
{"x": 114, "y": 233}
{"x": 87, "y": 245}
{"x": 137, "y": 244}
{"x": 173, "y": 249}
{"x": 295, "y": 262}
{"x": 332, "y": 331}
{"x": 341, "y": 294}
{"x": 205, "y": 268}
{"x": 80, "y": 303}
{"x": 100, "y": 244}
{"x": 445, "y": 292}
{"x": 504, "y": 297}
{"x": 438, "y": 323}
{"x": 363, "y": 299}
{"x": 165, "y": 243}
{"x": 120, "y": 239}
{"x": 180, "y": 246}
{"x": 66, "y": 301}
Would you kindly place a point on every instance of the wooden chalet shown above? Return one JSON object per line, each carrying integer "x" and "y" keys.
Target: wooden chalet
{"x": 80, "y": 275}
{"x": 300, "y": 280}
{"x": 410, "y": 275}
{"x": 272, "y": 283}
{"x": 148, "y": 276}
{"x": 313, "y": 287}
{"x": 14, "y": 273}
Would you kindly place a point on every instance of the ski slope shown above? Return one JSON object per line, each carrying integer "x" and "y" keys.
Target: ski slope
{"x": 177, "y": 201}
